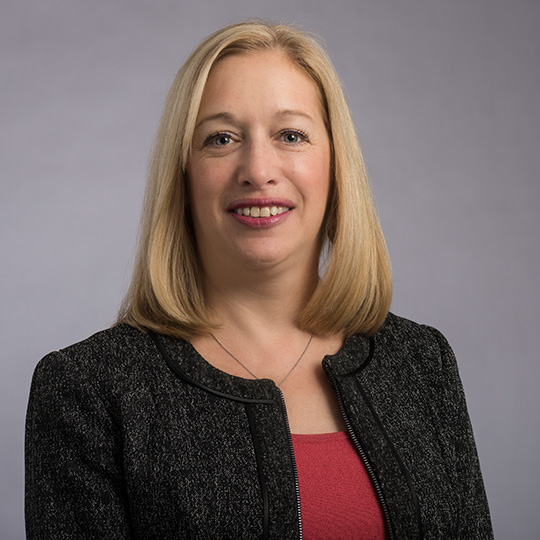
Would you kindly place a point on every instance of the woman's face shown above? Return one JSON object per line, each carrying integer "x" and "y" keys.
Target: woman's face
{"x": 259, "y": 172}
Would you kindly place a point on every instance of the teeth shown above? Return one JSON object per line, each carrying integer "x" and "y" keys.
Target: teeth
{"x": 264, "y": 211}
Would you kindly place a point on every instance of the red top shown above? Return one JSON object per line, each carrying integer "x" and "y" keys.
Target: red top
{"x": 337, "y": 498}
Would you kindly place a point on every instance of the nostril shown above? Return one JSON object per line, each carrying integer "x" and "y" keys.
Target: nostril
{"x": 257, "y": 181}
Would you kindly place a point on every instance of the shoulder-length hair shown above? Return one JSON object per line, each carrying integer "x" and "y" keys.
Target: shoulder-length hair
{"x": 354, "y": 291}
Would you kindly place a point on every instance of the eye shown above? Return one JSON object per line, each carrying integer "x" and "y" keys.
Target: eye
{"x": 293, "y": 136}
{"x": 218, "y": 139}
{"x": 222, "y": 140}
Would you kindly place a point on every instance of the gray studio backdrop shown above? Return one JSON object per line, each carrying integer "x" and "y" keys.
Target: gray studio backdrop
{"x": 445, "y": 98}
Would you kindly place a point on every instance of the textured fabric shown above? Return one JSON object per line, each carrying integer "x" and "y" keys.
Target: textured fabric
{"x": 337, "y": 498}
{"x": 131, "y": 437}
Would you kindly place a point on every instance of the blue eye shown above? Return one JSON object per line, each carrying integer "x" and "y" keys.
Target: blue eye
{"x": 218, "y": 139}
{"x": 222, "y": 140}
{"x": 293, "y": 137}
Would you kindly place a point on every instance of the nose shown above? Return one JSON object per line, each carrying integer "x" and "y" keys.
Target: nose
{"x": 258, "y": 164}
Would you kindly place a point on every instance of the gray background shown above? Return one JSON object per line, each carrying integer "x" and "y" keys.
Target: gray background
{"x": 445, "y": 97}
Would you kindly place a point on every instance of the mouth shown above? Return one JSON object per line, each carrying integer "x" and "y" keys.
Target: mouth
{"x": 261, "y": 211}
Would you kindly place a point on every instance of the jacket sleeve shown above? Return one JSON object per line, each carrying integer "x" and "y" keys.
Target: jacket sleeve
{"x": 474, "y": 521}
{"x": 74, "y": 485}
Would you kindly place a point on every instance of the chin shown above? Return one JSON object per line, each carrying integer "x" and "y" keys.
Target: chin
{"x": 262, "y": 262}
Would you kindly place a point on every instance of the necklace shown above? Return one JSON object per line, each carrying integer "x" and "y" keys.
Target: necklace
{"x": 251, "y": 372}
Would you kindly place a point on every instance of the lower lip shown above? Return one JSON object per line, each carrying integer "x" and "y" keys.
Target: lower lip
{"x": 261, "y": 223}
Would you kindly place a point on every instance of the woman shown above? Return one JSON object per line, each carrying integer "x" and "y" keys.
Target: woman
{"x": 249, "y": 391}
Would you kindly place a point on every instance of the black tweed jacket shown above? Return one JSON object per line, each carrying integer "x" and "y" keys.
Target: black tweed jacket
{"x": 133, "y": 435}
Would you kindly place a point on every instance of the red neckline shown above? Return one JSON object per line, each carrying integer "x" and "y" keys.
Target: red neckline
{"x": 319, "y": 437}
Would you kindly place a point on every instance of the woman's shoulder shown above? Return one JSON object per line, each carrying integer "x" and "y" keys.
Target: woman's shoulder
{"x": 117, "y": 341}
{"x": 411, "y": 339}
{"x": 408, "y": 329}
{"x": 110, "y": 354}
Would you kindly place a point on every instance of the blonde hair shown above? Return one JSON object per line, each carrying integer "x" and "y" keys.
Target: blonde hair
{"x": 352, "y": 296}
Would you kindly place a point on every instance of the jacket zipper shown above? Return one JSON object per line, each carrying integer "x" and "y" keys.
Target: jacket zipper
{"x": 365, "y": 460}
{"x": 295, "y": 470}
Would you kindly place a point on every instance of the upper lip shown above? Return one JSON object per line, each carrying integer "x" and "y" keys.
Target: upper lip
{"x": 267, "y": 201}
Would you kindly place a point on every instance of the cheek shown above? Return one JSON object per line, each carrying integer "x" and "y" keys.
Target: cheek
{"x": 317, "y": 178}
{"x": 197, "y": 196}
{"x": 312, "y": 168}
{"x": 203, "y": 185}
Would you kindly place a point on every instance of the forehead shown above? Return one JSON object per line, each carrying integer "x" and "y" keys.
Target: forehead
{"x": 254, "y": 79}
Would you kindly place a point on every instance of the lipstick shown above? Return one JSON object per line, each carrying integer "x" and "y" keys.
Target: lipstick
{"x": 260, "y": 213}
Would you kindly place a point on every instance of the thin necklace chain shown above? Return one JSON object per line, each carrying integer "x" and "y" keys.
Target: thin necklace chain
{"x": 251, "y": 372}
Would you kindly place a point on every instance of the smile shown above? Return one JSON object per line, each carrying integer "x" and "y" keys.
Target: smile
{"x": 261, "y": 211}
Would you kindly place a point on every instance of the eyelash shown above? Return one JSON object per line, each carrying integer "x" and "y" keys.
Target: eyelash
{"x": 215, "y": 136}
{"x": 302, "y": 134}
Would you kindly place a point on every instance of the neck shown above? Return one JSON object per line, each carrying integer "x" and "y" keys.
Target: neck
{"x": 260, "y": 302}
{"x": 258, "y": 313}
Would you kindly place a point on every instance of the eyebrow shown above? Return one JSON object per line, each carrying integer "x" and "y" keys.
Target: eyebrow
{"x": 294, "y": 112}
{"x": 231, "y": 118}
{"x": 218, "y": 116}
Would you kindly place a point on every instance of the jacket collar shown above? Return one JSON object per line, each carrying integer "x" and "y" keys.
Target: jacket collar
{"x": 186, "y": 362}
